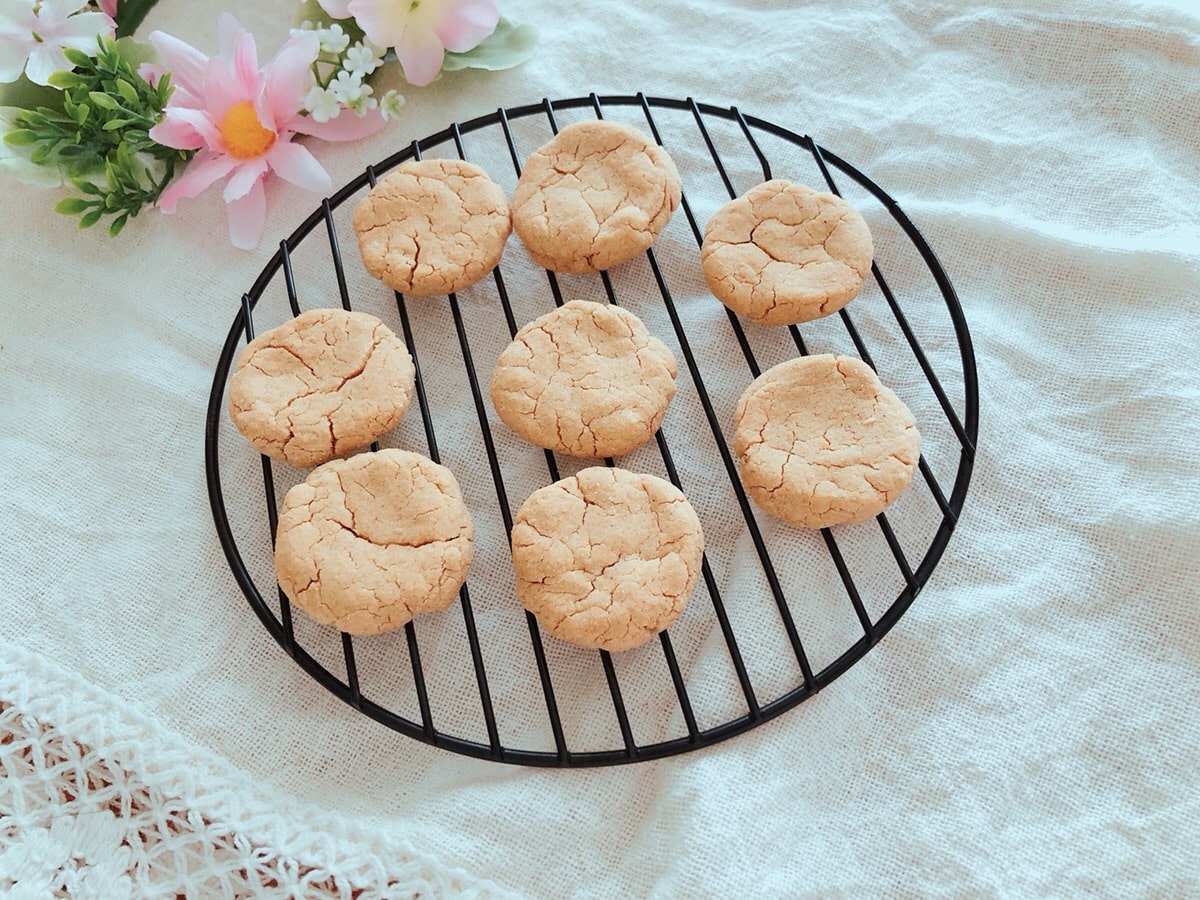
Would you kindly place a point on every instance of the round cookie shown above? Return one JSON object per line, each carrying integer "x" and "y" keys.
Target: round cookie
{"x": 586, "y": 380}
{"x": 784, "y": 253}
{"x": 365, "y": 543}
{"x": 607, "y": 558}
{"x": 432, "y": 226}
{"x": 322, "y": 385}
{"x": 821, "y": 441}
{"x": 595, "y": 195}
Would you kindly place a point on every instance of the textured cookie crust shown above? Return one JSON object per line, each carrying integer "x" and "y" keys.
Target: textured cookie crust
{"x": 432, "y": 226}
{"x": 608, "y": 558}
{"x": 820, "y": 441}
{"x": 322, "y": 385}
{"x": 586, "y": 380}
{"x": 365, "y": 543}
{"x": 595, "y": 195}
{"x": 784, "y": 253}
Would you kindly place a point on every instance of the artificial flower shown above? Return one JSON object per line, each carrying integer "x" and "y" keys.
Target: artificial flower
{"x": 242, "y": 120}
{"x": 420, "y": 31}
{"x": 362, "y": 59}
{"x": 321, "y": 104}
{"x": 33, "y": 36}
{"x": 109, "y": 8}
{"x": 333, "y": 39}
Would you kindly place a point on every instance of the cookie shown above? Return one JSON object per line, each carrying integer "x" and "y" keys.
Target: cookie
{"x": 586, "y": 380}
{"x": 432, "y": 226}
{"x": 594, "y": 196}
{"x": 821, "y": 441}
{"x": 784, "y": 253}
{"x": 607, "y": 558}
{"x": 365, "y": 543}
{"x": 323, "y": 385}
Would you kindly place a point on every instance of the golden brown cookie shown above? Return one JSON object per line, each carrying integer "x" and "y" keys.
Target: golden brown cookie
{"x": 784, "y": 253}
{"x": 365, "y": 543}
{"x": 607, "y": 558}
{"x": 595, "y": 195}
{"x": 432, "y": 226}
{"x": 820, "y": 441}
{"x": 325, "y": 384}
{"x": 586, "y": 380}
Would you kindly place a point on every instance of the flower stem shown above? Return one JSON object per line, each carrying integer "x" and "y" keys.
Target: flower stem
{"x": 131, "y": 14}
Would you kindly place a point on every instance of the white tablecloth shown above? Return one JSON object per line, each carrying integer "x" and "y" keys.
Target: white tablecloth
{"x": 1028, "y": 728}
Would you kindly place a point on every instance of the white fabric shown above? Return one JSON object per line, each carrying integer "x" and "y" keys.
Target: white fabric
{"x": 1027, "y": 728}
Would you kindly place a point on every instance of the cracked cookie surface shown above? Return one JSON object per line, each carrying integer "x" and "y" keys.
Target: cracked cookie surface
{"x": 586, "y": 380}
{"x": 820, "y": 441}
{"x": 365, "y": 543}
{"x": 322, "y": 385}
{"x": 595, "y": 195}
{"x": 784, "y": 253}
{"x": 432, "y": 226}
{"x": 607, "y": 558}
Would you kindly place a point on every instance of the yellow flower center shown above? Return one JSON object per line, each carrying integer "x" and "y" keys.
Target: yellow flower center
{"x": 245, "y": 137}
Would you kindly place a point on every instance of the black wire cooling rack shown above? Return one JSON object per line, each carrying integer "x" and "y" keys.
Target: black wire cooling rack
{"x": 733, "y": 149}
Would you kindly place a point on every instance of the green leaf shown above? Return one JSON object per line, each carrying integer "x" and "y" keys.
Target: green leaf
{"x": 22, "y": 137}
{"x": 72, "y": 206}
{"x": 86, "y": 187}
{"x": 103, "y": 100}
{"x": 65, "y": 80}
{"x": 131, "y": 15}
{"x": 126, "y": 90}
{"x": 40, "y": 153}
{"x": 134, "y": 52}
{"x": 71, "y": 150}
{"x": 81, "y": 113}
{"x": 87, "y": 220}
{"x": 77, "y": 57}
{"x": 115, "y": 228}
{"x": 114, "y": 124}
{"x": 509, "y": 45}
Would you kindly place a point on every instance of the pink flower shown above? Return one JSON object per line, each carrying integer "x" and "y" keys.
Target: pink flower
{"x": 33, "y": 36}
{"x": 109, "y": 7}
{"x": 421, "y": 31}
{"x": 242, "y": 120}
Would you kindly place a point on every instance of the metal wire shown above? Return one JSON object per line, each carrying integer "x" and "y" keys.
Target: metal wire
{"x": 965, "y": 429}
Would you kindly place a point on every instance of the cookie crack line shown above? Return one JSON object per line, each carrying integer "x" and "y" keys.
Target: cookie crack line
{"x": 416, "y": 545}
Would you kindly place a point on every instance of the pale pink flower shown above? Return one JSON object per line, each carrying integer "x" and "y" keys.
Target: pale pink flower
{"x": 33, "y": 36}
{"x": 420, "y": 31}
{"x": 109, "y": 7}
{"x": 242, "y": 120}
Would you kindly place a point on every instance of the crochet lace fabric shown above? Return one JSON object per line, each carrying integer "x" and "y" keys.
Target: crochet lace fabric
{"x": 135, "y": 817}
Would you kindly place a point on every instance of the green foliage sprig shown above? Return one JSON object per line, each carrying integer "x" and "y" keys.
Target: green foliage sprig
{"x": 100, "y": 138}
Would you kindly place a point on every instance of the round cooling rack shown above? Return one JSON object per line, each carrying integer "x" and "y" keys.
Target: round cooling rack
{"x": 779, "y": 613}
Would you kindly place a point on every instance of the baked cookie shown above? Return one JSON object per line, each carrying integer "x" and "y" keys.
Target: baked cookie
{"x": 820, "y": 441}
{"x": 595, "y": 195}
{"x": 586, "y": 379}
{"x": 784, "y": 253}
{"x": 322, "y": 385}
{"x": 365, "y": 543}
{"x": 607, "y": 558}
{"x": 432, "y": 226}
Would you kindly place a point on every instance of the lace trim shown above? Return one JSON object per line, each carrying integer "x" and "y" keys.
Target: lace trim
{"x": 96, "y": 802}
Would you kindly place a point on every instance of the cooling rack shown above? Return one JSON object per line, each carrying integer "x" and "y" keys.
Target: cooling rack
{"x": 743, "y": 653}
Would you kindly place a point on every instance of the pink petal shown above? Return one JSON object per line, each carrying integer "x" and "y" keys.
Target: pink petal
{"x": 228, "y": 29}
{"x": 245, "y": 63}
{"x": 289, "y": 76}
{"x": 336, "y": 8}
{"x": 186, "y": 129}
{"x": 420, "y": 56}
{"x": 183, "y": 61}
{"x": 346, "y": 126}
{"x": 383, "y": 21}
{"x": 468, "y": 24}
{"x": 202, "y": 171}
{"x": 222, "y": 89}
{"x": 244, "y": 178}
{"x": 294, "y": 163}
{"x": 247, "y": 216}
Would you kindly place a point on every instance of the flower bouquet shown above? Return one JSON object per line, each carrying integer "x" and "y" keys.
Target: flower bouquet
{"x": 123, "y": 124}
